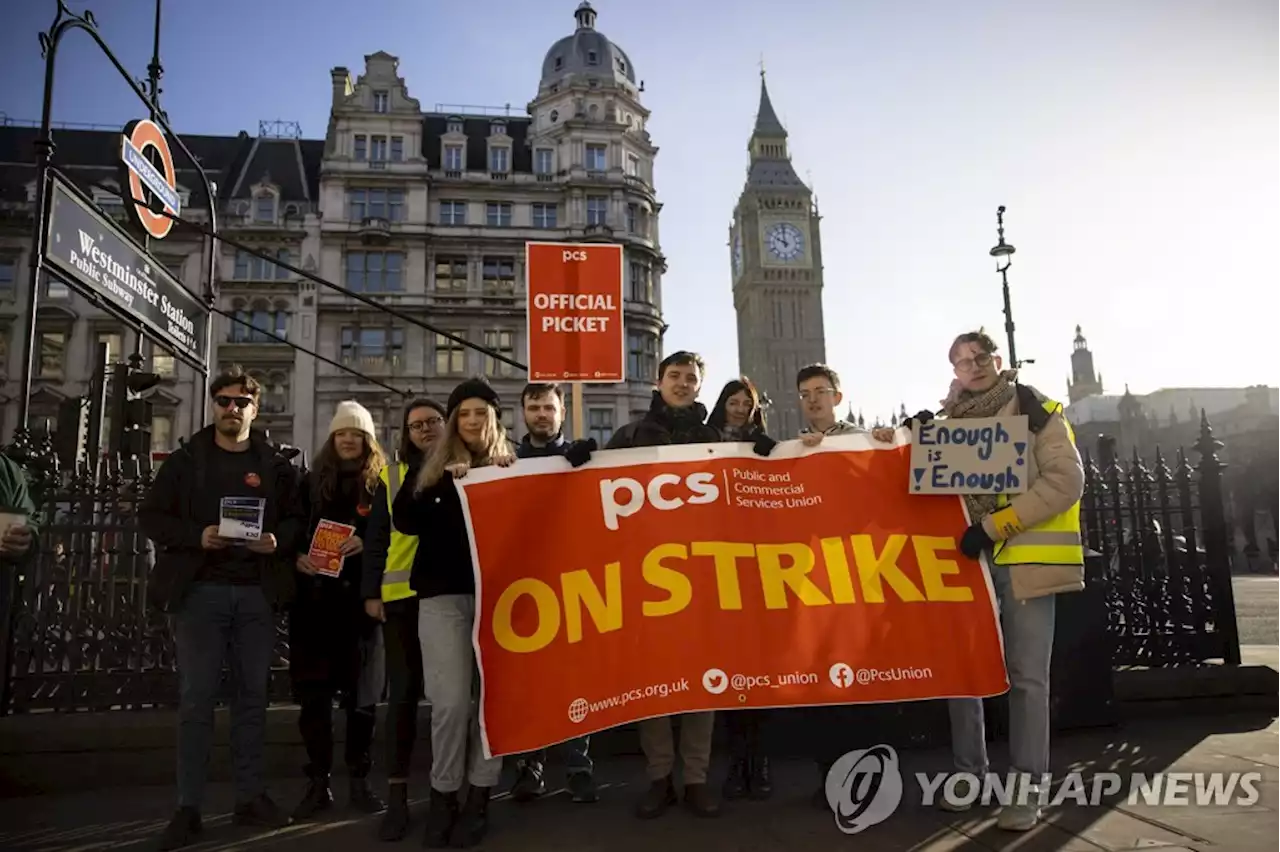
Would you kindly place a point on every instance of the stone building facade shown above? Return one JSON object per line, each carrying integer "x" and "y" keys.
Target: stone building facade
{"x": 423, "y": 211}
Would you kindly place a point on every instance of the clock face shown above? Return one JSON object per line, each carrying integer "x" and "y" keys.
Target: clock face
{"x": 784, "y": 241}
{"x": 737, "y": 253}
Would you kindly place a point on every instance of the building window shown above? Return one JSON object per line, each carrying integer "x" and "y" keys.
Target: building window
{"x": 115, "y": 347}
{"x": 641, "y": 282}
{"x": 378, "y": 149}
{"x": 362, "y": 143}
{"x": 381, "y": 101}
{"x": 8, "y": 276}
{"x": 544, "y": 215}
{"x": 453, "y": 212}
{"x": 642, "y": 357}
{"x": 453, "y": 126}
{"x": 592, "y": 58}
{"x": 453, "y": 158}
{"x": 600, "y": 424}
{"x": 376, "y": 204}
{"x": 451, "y": 274}
{"x": 275, "y": 392}
{"x": 497, "y": 214}
{"x": 264, "y": 208}
{"x": 163, "y": 363}
{"x": 544, "y": 161}
{"x": 499, "y": 275}
{"x": 397, "y": 149}
{"x": 250, "y": 267}
{"x": 451, "y": 356}
{"x": 261, "y": 320}
{"x": 597, "y": 156}
{"x": 372, "y": 349}
{"x": 502, "y": 342}
{"x": 499, "y": 160}
{"x": 597, "y": 209}
{"x": 162, "y": 433}
{"x": 374, "y": 271}
{"x": 633, "y": 218}
{"x": 633, "y": 165}
{"x": 51, "y": 352}
{"x": 497, "y": 128}
{"x": 56, "y": 289}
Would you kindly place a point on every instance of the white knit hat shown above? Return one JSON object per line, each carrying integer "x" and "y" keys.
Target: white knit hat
{"x": 352, "y": 415}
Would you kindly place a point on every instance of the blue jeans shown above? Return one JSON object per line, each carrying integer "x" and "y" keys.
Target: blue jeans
{"x": 216, "y": 624}
{"x": 576, "y": 758}
{"x": 1028, "y": 645}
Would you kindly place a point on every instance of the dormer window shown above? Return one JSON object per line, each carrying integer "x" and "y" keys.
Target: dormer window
{"x": 381, "y": 101}
{"x": 264, "y": 208}
{"x": 498, "y": 128}
{"x": 622, "y": 66}
{"x": 592, "y": 58}
{"x": 559, "y": 62}
{"x": 454, "y": 126}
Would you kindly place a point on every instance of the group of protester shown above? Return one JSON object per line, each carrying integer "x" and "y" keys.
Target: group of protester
{"x": 400, "y": 608}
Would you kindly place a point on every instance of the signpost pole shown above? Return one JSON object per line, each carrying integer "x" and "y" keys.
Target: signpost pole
{"x": 579, "y": 420}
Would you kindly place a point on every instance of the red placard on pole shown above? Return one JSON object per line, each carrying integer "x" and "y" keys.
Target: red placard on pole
{"x": 575, "y": 326}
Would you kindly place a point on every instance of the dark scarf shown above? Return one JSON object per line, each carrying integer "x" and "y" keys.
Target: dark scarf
{"x": 678, "y": 421}
{"x": 988, "y": 403}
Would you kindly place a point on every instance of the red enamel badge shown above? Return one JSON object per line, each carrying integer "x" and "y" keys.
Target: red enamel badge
{"x": 252, "y": 479}
{"x": 363, "y": 511}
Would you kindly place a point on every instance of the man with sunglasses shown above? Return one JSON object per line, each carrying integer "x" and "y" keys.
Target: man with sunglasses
{"x": 223, "y": 593}
{"x": 388, "y": 562}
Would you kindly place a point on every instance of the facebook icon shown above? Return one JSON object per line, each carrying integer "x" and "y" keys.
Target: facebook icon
{"x": 841, "y": 675}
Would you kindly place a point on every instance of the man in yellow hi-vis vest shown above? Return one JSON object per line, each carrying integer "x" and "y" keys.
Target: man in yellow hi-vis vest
{"x": 1035, "y": 551}
{"x": 388, "y": 559}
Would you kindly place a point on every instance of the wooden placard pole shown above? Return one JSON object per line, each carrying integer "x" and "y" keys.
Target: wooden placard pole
{"x": 579, "y": 418}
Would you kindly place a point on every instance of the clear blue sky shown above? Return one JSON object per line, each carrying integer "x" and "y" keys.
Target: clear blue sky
{"x": 1134, "y": 143}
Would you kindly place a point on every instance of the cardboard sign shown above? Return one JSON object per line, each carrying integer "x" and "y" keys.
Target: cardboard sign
{"x": 982, "y": 455}
{"x": 324, "y": 553}
{"x": 576, "y": 331}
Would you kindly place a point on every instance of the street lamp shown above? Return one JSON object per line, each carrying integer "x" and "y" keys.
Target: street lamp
{"x": 1003, "y": 253}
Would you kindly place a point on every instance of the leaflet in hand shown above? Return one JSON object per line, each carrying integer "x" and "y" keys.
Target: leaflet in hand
{"x": 241, "y": 518}
{"x": 324, "y": 553}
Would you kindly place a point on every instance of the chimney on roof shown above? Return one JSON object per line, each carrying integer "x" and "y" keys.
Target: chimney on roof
{"x": 342, "y": 87}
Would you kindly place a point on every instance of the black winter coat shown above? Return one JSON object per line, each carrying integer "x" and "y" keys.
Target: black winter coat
{"x": 171, "y": 516}
{"x": 662, "y": 425}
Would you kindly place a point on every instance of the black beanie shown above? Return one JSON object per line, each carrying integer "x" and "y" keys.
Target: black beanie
{"x": 474, "y": 389}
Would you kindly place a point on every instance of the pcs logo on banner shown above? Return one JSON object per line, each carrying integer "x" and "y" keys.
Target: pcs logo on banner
{"x": 864, "y": 788}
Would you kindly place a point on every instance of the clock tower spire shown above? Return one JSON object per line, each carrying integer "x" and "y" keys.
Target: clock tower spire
{"x": 776, "y": 269}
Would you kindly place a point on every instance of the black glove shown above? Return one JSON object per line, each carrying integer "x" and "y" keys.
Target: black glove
{"x": 763, "y": 445}
{"x": 579, "y": 452}
{"x": 975, "y": 540}
{"x": 924, "y": 415}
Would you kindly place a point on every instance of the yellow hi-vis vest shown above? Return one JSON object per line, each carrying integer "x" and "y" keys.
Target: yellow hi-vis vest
{"x": 1055, "y": 541}
{"x": 402, "y": 548}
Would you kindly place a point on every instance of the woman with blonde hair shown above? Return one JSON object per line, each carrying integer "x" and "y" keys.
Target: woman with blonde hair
{"x": 443, "y": 578}
{"x": 334, "y": 647}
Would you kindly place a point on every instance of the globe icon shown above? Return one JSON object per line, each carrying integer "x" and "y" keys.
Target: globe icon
{"x": 577, "y": 710}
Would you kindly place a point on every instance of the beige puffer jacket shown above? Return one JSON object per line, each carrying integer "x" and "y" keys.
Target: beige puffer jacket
{"x": 1055, "y": 482}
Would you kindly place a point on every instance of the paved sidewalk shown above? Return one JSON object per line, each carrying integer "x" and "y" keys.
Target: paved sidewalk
{"x": 129, "y": 818}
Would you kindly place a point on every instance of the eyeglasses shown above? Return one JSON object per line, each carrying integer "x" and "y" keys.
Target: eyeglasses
{"x": 241, "y": 402}
{"x": 817, "y": 392}
{"x": 982, "y": 359}
{"x": 420, "y": 426}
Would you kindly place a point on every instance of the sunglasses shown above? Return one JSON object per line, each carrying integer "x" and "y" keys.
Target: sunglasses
{"x": 241, "y": 402}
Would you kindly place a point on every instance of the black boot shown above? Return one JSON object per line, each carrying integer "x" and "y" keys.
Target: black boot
{"x": 441, "y": 818}
{"x": 362, "y": 798}
{"x": 660, "y": 796}
{"x": 529, "y": 784}
{"x": 735, "y": 784}
{"x": 395, "y": 825}
{"x": 182, "y": 830}
{"x": 319, "y": 797}
{"x": 760, "y": 782}
{"x": 473, "y": 824}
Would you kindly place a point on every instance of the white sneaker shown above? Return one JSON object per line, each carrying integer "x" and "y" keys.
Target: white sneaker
{"x": 1018, "y": 817}
{"x": 965, "y": 794}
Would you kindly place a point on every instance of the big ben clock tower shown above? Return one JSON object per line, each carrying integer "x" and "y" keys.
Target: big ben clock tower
{"x": 776, "y": 259}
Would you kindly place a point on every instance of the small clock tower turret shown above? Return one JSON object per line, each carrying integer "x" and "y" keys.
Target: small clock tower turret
{"x": 776, "y": 268}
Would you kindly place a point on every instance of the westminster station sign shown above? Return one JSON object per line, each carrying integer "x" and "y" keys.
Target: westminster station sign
{"x": 108, "y": 267}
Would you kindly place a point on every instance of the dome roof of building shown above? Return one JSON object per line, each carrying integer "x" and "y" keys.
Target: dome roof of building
{"x": 586, "y": 52}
